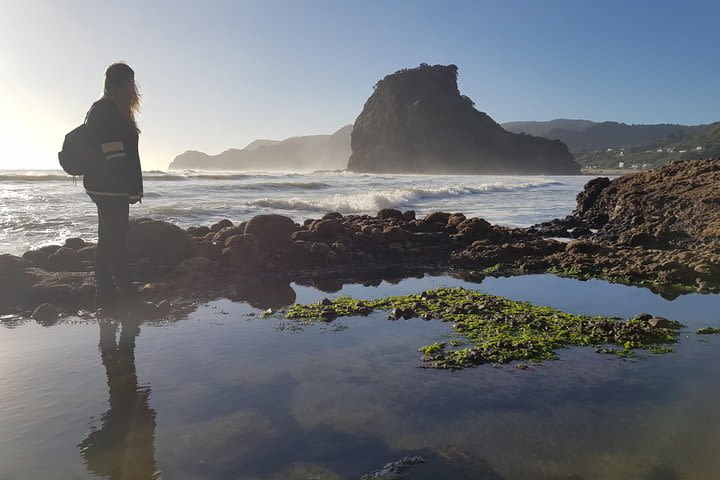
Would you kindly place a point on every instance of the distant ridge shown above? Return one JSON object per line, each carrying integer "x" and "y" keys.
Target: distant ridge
{"x": 584, "y": 135}
{"x": 312, "y": 152}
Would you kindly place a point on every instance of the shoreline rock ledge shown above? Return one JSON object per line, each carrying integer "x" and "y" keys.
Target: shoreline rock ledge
{"x": 416, "y": 121}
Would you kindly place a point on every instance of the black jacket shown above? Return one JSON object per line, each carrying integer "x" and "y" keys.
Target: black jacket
{"x": 117, "y": 172}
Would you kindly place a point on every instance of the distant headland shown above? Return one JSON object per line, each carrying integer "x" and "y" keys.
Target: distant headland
{"x": 416, "y": 121}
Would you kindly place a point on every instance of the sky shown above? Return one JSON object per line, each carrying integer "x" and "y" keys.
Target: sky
{"x": 219, "y": 74}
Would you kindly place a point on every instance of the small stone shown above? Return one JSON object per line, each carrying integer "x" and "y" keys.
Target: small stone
{"x": 325, "y": 301}
{"x": 46, "y": 313}
{"x": 75, "y": 243}
{"x": 643, "y": 317}
{"x": 660, "y": 322}
{"x": 164, "y": 308}
{"x": 395, "y": 313}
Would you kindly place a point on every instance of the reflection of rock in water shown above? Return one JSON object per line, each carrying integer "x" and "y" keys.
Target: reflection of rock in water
{"x": 273, "y": 293}
{"x": 123, "y": 446}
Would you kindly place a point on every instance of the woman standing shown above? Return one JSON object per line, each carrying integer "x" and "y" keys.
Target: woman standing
{"x": 115, "y": 180}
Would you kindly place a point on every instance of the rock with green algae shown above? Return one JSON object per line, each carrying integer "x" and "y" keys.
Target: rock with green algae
{"x": 499, "y": 330}
{"x": 708, "y": 331}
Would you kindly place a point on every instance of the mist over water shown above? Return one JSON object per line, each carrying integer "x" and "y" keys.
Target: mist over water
{"x": 44, "y": 207}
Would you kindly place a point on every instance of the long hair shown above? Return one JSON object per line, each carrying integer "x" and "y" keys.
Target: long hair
{"x": 120, "y": 87}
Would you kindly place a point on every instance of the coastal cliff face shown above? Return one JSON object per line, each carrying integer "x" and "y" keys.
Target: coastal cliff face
{"x": 416, "y": 121}
{"x": 312, "y": 152}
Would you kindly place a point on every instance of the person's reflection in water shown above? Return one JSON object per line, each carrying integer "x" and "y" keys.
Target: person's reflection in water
{"x": 123, "y": 447}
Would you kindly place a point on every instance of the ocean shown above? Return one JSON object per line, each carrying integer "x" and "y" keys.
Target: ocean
{"x": 42, "y": 207}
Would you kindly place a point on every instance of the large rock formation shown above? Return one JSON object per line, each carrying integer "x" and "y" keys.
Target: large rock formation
{"x": 312, "y": 152}
{"x": 676, "y": 205}
{"x": 416, "y": 121}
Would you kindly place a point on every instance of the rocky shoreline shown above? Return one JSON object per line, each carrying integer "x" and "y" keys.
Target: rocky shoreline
{"x": 659, "y": 229}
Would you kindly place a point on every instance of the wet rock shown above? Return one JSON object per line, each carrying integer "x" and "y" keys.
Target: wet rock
{"x": 579, "y": 232}
{"x": 587, "y": 198}
{"x": 15, "y": 283}
{"x": 409, "y": 215}
{"x": 395, "y": 235}
{"x": 164, "y": 308}
{"x": 304, "y": 236}
{"x": 583, "y": 246}
{"x": 224, "y": 223}
{"x": 75, "y": 243}
{"x": 65, "y": 260}
{"x": 223, "y": 235}
{"x": 708, "y": 331}
{"x": 151, "y": 291}
{"x": 36, "y": 257}
{"x": 643, "y": 317}
{"x": 660, "y": 322}
{"x": 244, "y": 244}
{"x": 390, "y": 213}
{"x": 329, "y": 215}
{"x": 60, "y": 288}
{"x": 242, "y": 251}
{"x": 394, "y": 470}
{"x": 455, "y": 219}
{"x": 473, "y": 228}
{"x": 437, "y": 217}
{"x": 320, "y": 248}
{"x": 273, "y": 232}
{"x": 325, "y": 302}
{"x": 396, "y": 313}
{"x": 158, "y": 241}
{"x": 328, "y": 229}
{"x": 46, "y": 314}
{"x": 199, "y": 232}
{"x": 87, "y": 254}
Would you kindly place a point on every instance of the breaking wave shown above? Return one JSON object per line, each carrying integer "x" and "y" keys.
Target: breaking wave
{"x": 401, "y": 197}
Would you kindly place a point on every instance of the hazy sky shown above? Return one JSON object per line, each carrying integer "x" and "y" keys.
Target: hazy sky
{"x": 219, "y": 74}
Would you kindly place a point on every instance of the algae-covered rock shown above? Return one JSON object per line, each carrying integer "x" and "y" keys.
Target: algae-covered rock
{"x": 499, "y": 330}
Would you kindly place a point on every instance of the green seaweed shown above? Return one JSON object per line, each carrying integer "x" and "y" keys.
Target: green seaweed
{"x": 708, "y": 331}
{"x": 499, "y": 330}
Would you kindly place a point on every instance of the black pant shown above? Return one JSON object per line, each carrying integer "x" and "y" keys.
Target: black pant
{"x": 111, "y": 268}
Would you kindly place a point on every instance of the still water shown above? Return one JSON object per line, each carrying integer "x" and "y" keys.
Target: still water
{"x": 224, "y": 394}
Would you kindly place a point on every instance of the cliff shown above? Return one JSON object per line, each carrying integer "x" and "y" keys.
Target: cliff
{"x": 313, "y": 152}
{"x": 416, "y": 121}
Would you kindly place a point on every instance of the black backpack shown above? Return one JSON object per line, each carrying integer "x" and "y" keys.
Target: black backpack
{"x": 78, "y": 153}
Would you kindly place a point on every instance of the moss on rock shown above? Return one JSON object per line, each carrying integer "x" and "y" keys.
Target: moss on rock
{"x": 499, "y": 330}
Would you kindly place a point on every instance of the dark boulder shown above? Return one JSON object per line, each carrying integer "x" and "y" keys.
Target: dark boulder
{"x": 65, "y": 260}
{"x": 15, "y": 283}
{"x": 304, "y": 236}
{"x": 330, "y": 228}
{"x": 224, "y": 223}
{"x": 75, "y": 243}
{"x": 390, "y": 213}
{"x": 437, "y": 217}
{"x": 227, "y": 232}
{"x": 87, "y": 254}
{"x": 199, "y": 231}
{"x": 158, "y": 241}
{"x": 273, "y": 232}
{"x": 46, "y": 314}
